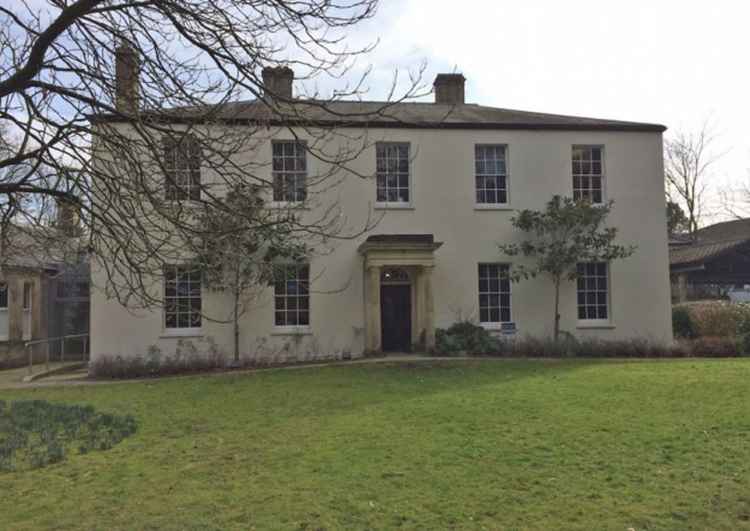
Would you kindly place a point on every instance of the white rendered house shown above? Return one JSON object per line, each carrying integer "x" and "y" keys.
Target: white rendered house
{"x": 446, "y": 179}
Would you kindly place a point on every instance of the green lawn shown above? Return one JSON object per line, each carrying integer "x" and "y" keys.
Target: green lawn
{"x": 460, "y": 445}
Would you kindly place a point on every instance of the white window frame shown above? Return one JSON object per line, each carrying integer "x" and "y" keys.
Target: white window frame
{"x": 4, "y": 309}
{"x": 296, "y": 173}
{"x": 28, "y": 304}
{"x": 180, "y": 181}
{"x": 178, "y": 330}
{"x": 380, "y": 204}
{"x": 595, "y": 322}
{"x": 494, "y": 324}
{"x": 602, "y": 176}
{"x": 505, "y": 205}
{"x": 292, "y": 328}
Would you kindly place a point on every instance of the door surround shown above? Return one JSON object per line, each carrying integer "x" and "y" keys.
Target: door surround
{"x": 415, "y": 254}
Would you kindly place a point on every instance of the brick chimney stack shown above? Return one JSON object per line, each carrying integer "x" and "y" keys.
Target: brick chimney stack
{"x": 127, "y": 74}
{"x": 277, "y": 81}
{"x": 68, "y": 217}
{"x": 449, "y": 89}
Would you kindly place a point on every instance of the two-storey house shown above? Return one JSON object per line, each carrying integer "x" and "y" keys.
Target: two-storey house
{"x": 447, "y": 177}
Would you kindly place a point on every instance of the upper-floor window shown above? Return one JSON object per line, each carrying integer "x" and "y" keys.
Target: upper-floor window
{"x": 182, "y": 297}
{"x": 292, "y": 295}
{"x": 182, "y": 165}
{"x": 392, "y": 164}
{"x": 490, "y": 173}
{"x": 588, "y": 173}
{"x": 593, "y": 291}
{"x": 494, "y": 293}
{"x": 289, "y": 170}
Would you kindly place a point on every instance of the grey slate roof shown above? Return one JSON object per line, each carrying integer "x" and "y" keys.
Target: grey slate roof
{"x": 711, "y": 242}
{"x": 401, "y": 114}
{"x": 34, "y": 248}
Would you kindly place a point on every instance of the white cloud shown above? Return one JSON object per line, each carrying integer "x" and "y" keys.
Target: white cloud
{"x": 672, "y": 62}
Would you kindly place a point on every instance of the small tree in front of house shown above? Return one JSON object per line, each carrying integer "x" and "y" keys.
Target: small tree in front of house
{"x": 240, "y": 258}
{"x": 558, "y": 238}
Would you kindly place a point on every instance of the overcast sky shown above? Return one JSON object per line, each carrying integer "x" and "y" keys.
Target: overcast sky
{"x": 667, "y": 61}
{"x": 675, "y": 62}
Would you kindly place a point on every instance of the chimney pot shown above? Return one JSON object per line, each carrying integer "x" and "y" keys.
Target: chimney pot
{"x": 277, "y": 81}
{"x": 127, "y": 73}
{"x": 449, "y": 89}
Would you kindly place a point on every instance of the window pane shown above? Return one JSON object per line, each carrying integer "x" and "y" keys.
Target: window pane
{"x": 182, "y": 167}
{"x": 588, "y": 173}
{"x": 4, "y": 296}
{"x": 494, "y": 293}
{"x": 289, "y": 167}
{"x": 592, "y": 287}
{"x": 182, "y": 297}
{"x": 392, "y": 168}
{"x": 292, "y": 301}
{"x": 490, "y": 177}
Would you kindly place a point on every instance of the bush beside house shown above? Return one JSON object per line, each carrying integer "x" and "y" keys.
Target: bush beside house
{"x": 466, "y": 338}
{"x": 716, "y": 327}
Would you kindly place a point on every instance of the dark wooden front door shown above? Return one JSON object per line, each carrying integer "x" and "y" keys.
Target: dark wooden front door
{"x": 395, "y": 317}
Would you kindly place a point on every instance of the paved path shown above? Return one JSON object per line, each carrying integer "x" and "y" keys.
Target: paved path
{"x": 15, "y": 376}
{"x": 79, "y": 378}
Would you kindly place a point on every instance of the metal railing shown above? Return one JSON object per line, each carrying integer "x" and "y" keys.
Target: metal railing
{"x": 28, "y": 346}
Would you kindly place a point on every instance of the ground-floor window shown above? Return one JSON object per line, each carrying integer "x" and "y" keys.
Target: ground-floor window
{"x": 292, "y": 295}
{"x": 593, "y": 288}
{"x": 494, "y": 293}
{"x": 3, "y": 311}
{"x": 27, "y": 295}
{"x": 182, "y": 297}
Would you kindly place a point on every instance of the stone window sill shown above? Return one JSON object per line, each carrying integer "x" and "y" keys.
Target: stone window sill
{"x": 493, "y": 206}
{"x": 289, "y": 205}
{"x": 594, "y": 325}
{"x": 394, "y": 206}
{"x": 181, "y": 333}
{"x": 292, "y": 331}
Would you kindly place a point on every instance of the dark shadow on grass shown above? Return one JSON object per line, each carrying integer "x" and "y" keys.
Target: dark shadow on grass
{"x": 373, "y": 384}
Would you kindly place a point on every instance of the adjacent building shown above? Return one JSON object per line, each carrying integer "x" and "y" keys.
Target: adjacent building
{"x": 712, "y": 264}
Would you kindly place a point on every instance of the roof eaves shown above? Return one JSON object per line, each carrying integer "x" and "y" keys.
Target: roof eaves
{"x": 397, "y": 124}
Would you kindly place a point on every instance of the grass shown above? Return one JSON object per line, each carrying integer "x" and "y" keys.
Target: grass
{"x": 460, "y": 445}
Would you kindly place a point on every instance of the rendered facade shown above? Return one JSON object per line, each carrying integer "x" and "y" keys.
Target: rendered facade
{"x": 446, "y": 180}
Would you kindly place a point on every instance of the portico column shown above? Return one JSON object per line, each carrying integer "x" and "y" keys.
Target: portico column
{"x": 429, "y": 308}
{"x": 372, "y": 340}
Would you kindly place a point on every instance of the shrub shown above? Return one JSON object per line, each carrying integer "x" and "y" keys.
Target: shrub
{"x": 714, "y": 347}
{"x": 459, "y": 338}
{"x": 682, "y": 323}
{"x": 744, "y": 345}
{"x": 717, "y": 318}
{"x": 465, "y": 337}
{"x": 35, "y": 433}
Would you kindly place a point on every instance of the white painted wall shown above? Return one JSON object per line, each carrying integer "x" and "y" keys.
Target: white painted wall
{"x": 443, "y": 204}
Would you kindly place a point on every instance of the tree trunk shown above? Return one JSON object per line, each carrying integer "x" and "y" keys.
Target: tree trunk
{"x": 557, "y": 310}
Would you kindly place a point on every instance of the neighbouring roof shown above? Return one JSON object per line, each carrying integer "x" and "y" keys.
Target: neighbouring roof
{"x": 401, "y": 114}
{"x": 37, "y": 248}
{"x": 711, "y": 242}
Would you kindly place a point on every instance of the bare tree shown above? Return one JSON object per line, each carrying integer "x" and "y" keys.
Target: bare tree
{"x": 736, "y": 201}
{"x": 142, "y": 113}
{"x": 240, "y": 258}
{"x": 688, "y": 158}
